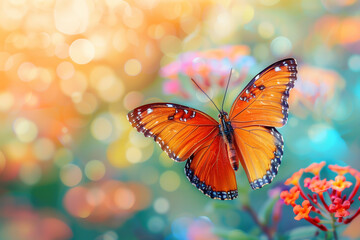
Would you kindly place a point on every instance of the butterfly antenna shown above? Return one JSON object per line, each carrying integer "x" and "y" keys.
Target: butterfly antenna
{"x": 227, "y": 85}
{"x": 205, "y": 94}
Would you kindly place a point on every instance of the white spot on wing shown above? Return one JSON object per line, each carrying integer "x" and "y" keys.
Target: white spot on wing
{"x": 257, "y": 77}
{"x": 169, "y": 105}
{"x": 277, "y": 69}
{"x": 149, "y": 110}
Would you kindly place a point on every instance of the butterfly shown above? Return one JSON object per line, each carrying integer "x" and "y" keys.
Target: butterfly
{"x": 213, "y": 149}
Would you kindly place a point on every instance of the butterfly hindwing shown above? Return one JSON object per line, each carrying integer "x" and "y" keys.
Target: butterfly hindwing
{"x": 209, "y": 169}
{"x": 260, "y": 150}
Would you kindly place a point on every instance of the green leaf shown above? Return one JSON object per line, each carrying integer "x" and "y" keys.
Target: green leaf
{"x": 302, "y": 233}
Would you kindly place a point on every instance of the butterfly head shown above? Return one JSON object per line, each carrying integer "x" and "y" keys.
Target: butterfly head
{"x": 223, "y": 115}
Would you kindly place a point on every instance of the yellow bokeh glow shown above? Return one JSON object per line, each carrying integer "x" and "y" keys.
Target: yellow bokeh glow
{"x": 7, "y": 101}
{"x": 82, "y": 51}
{"x": 70, "y": 175}
{"x": 132, "y": 67}
{"x": 169, "y": 181}
{"x": 25, "y": 130}
{"x": 95, "y": 170}
{"x": 101, "y": 128}
{"x": 44, "y": 149}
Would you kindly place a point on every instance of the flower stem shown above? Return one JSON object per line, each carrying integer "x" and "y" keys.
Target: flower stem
{"x": 333, "y": 226}
{"x": 263, "y": 227}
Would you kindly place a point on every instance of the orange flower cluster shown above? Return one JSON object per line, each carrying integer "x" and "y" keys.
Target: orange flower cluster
{"x": 315, "y": 206}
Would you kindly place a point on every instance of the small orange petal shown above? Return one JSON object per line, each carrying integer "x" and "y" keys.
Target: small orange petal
{"x": 339, "y": 169}
{"x": 315, "y": 168}
{"x": 294, "y": 179}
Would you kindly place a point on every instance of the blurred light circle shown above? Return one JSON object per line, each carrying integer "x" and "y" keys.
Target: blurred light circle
{"x": 133, "y": 17}
{"x": 44, "y": 149}
{"x": 161, "y": 205}
{"x": 95, "y": 170}
{"x": 7, "y": 101}
{"x": 65, "y": 70}
{"x": 354, "y": 63}
{"x": 95, "y": 196}
{"x": 101, "y": 128}
{"x": 110, "y": 235}
{"x": 116, "y": 154}
{"x": 25, "y": 130}
{"x": 87, "y": 104}
{"x": 63, "y": 156}
{"x": 133, "y": 99}
{"x": 27, "y": 71}
{"x": 74, "y": 85}
{"x": 266, "y": 29}
{"x": 189, "y": 24}
{"x": 132, "y": 67}
{"x": 82, "y": 51}
{"x": 133, "y": 155}
{"x": 156, "y": 224}
{"x": 16, "y": 150}
{"x": 30, "y": 173}
{"x": 281, "y": 46}
{"x": 124, "y": 198}
{"x": 70, "y": 175}
{"x": 169, "y": 181}
{"x": 71, "y": 16}
{"x": 156, "y": 31}
{"x": 110, "y": 88}
{"x": 243, "y": 13}
{"x": 75, "y": 202}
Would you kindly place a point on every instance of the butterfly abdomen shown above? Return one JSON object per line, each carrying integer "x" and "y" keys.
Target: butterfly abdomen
{"x": 227, "y": 131}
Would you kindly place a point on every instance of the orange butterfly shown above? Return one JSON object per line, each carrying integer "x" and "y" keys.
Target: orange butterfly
{"x": 213, "y": 149}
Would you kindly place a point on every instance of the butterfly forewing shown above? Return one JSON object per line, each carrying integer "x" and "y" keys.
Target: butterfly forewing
{"x": 258, "y": 109}
{"x": 264, "y": 100}
{"x": 179, "y": 130}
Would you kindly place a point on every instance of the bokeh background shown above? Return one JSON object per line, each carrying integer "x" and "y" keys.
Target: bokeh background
{"x": 71, "y": 167}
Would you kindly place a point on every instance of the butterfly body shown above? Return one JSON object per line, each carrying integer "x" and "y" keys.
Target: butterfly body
{"x": 213, "y": 149}
{"x": 227, "y": 132}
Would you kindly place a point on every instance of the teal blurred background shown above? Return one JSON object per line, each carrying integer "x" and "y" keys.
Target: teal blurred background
{"x": 71, "y": 166}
